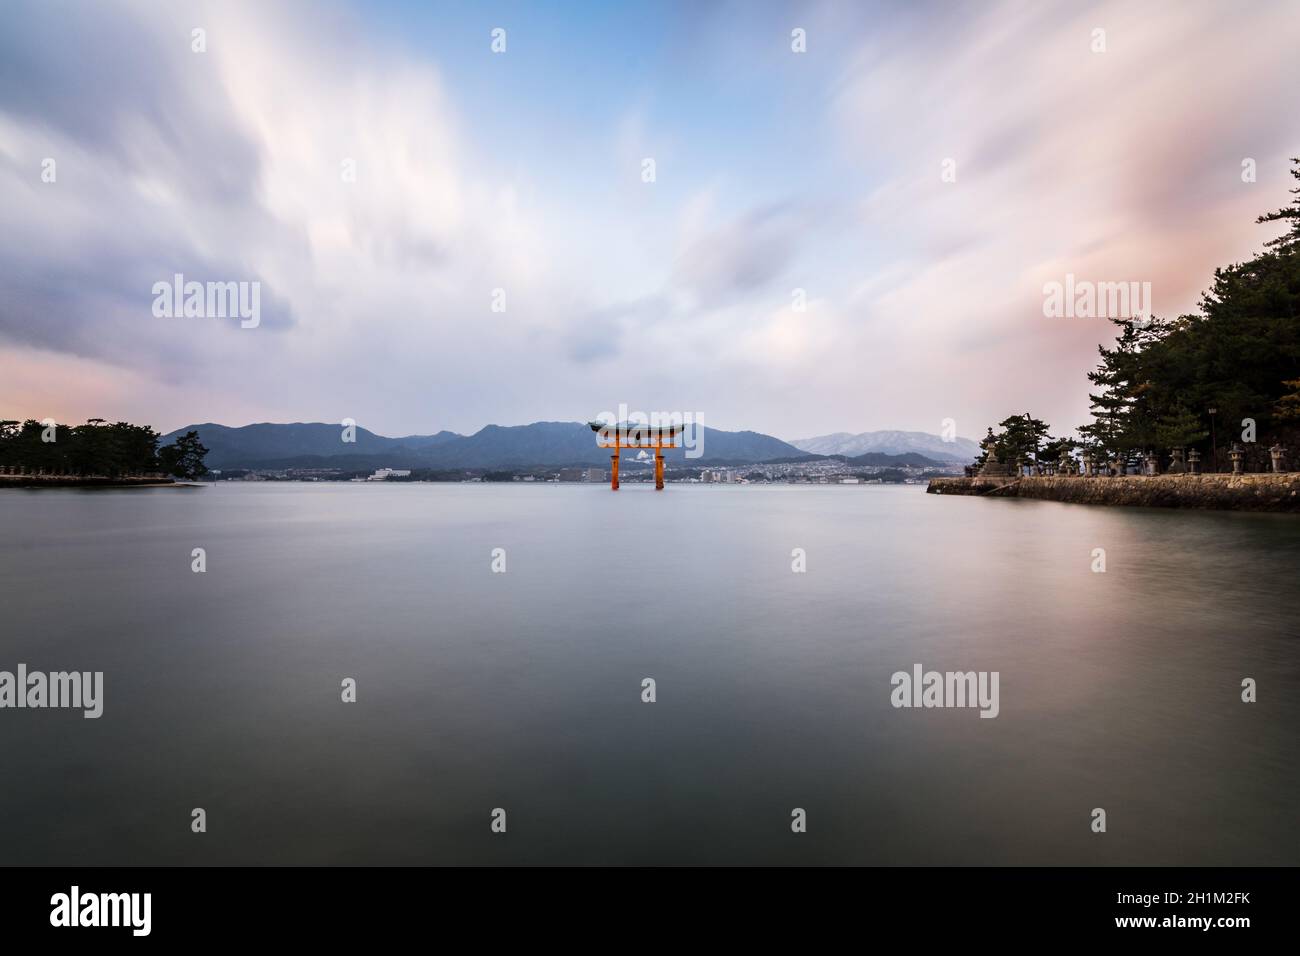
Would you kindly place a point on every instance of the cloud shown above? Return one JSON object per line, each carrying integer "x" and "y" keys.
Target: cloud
{"x": 228, "y": 165}
{"x": 1119, "y": 165}
{"x": 603, "y": 333}
{"x": 747, "y": 254}
{"x": 776, "y": 172}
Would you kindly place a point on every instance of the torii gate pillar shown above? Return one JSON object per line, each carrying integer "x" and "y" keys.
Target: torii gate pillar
{"x": 636, "y": 436}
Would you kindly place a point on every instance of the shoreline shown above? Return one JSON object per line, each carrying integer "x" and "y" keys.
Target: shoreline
{"x": 1219, "y": 492}
{"x": 71, "y": 481}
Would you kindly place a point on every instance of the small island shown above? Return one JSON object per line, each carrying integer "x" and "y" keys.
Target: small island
{"x": 45, "y": 454}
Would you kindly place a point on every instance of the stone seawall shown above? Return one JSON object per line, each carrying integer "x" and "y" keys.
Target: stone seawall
{"x": 80, "y": 481}
{"x": 1254, "y": 492}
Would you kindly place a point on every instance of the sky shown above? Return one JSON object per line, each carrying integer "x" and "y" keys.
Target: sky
{"x": 851, "y": 237}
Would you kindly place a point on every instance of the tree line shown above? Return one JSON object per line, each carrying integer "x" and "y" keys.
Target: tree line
{"x": 1228, "y": 373}
{"x": 98, "y": 448}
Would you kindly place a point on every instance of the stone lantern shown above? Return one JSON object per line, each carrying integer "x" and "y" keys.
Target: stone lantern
{"x": 1153, "y": 463}
{"x": 1237, "y": 454}
{"x": 1194, "y": 462}
{"x": 992, "y": 467}
{"x": 1277, "y": 453}
{"x": 1176, "y": 466}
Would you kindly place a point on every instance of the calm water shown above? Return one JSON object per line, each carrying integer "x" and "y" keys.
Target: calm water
{"x": 523, "y": 690}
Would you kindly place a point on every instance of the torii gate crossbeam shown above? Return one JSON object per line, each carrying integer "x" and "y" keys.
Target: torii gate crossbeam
{"x": 627, "y": 435}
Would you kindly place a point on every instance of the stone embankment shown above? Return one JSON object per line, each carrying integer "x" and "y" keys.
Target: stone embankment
{"x": 1248, "y": 492}
{"x": 28, "y": 480}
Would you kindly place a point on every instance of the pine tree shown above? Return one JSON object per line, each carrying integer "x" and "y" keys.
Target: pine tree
{"x": 1179, "y": 428}
{"x": 1287, "y": 408}
{"x": 1290, "y": 214}
{"x": 1021, "y": 437}
{"x": 1119, "y": 421}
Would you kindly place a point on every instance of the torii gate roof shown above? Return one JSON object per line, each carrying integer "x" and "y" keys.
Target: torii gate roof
{"x": 631, "y": 432}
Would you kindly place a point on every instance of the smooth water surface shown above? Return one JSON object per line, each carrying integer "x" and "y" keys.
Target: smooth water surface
{"x": 478, "y": 690}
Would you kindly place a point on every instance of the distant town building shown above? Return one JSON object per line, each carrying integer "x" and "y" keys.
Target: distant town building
{"x": 573, "y": 474}
{"x": 383, "y": 474}
{"x": 596, "y": 474}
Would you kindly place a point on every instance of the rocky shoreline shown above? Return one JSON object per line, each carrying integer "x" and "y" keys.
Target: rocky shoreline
{"x": 1248, "y": 492}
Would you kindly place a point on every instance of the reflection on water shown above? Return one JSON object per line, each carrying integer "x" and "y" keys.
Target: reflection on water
{"x": 523, "y": 690}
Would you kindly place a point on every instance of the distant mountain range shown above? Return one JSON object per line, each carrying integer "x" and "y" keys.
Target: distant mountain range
{"x": 320, "y": 445}
{"x": 960, "y": 450}
{"x": 238, "y": 447}
{"x": 542, "y": 444}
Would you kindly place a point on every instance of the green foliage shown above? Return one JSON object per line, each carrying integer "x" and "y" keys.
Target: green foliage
{"x": 98, "y": 448}
{"x": 1179, "y": 428}
{"x": 184, "y": 459}
{"x": 1287, "y": 408}
{"x": 1289, "y": 214}
{"x": 1023, "y": 436}
{"x": 1054, "y": 449}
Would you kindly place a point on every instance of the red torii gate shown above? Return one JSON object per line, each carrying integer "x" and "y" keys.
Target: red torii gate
{"x": 628, "y": 435}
